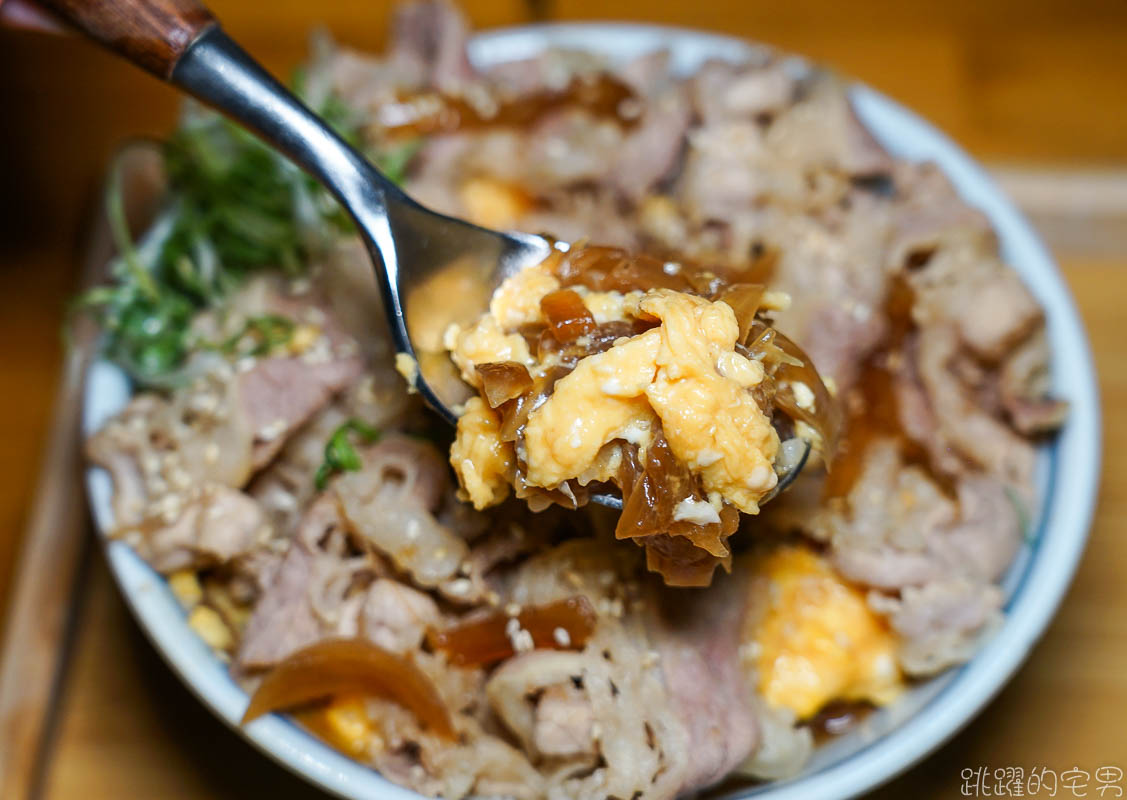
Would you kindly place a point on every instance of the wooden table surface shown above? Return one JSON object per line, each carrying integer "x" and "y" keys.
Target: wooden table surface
{"x": 1037, "y": 88}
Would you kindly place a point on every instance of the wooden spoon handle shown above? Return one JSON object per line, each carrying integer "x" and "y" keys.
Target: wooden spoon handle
{"x": 153, "y": 34}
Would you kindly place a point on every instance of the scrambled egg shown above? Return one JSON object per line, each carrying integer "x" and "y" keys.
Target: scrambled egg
{"x": 601, "y": 400}
{"x": 186, "y": 587}
{"x": 483, "y": 462}
{"x": 817, "y": 640}
{"x": 684, "y": 373}
{"x": 712, "y": 422}
{"x": 209, "y": 626}
{"x": 483, "y": 343}
{"x": 345, "y": 724}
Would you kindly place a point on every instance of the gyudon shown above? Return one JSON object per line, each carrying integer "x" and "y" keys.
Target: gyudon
{"x": 467, "y": 631}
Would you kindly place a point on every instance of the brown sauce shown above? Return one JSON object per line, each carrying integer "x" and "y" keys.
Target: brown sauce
{"x": 429, "y": 112}
{"x": 837, "y": 718}
{"x": 873, "y": 413}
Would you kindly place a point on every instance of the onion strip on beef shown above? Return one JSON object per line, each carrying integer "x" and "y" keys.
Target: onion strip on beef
{"x": 423, "y": 113}
{"x": 334, "y": 667}
{"x": 491, "y": 639}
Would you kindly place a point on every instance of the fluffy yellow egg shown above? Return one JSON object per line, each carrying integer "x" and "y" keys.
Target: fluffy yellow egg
{"x": 815, "y": 639}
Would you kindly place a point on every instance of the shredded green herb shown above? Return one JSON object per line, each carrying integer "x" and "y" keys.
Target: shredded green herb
{"x": 259, "y": 336}
{"x": 234, "y": 207}
{"x": 340, "y": 455}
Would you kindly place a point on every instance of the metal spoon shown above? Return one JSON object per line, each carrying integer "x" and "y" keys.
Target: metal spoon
{"x": 420, "y": 256}
{"x": 413, "y": 249}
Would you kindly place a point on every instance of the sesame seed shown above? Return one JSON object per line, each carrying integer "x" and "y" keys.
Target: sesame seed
{"x": 459, "y": 587}
{"x": 272, "y": 430}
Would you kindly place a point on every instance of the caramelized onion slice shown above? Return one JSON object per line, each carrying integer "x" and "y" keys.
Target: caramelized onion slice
{"x": 502, "y": 381}
{"x": 514, "y": 413}
{"x": 684, "y": 553}
{"x": 350, "y": 666}
{"x": 601, "y": 339}
{"x": 606, "y": 269}
{"x": 744, "y": 299}
{"x": 680, "y": 563}
{"x": 789, "y": 365}
{"x": 487, "y": 640}
{"x": 651, "y": 492}
{"x": 611, "y": 269}
{"x": 568, "y": 318}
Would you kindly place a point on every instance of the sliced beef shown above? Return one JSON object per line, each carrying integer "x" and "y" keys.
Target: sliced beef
{"x": 823, "y": 130}
{"x": 429, "y": 40}
{"x": 757, "y": 90}
{"x": 284, "y": 620}
{"x": 915, "y": 414}
{"x": 937, "y": 558}
{"x": 671, "y": 706}
{"x": 564, "y": 721}
{"x": 900, "y": 530}
{"x": 697, "y": 635}
{"x": 652, "y": 150}
{"x": 569, "y": 147}
{"x": 961, "y": 423}
{"x": 589, "y": 213}
{"x": 157, "y": 448}
{"x": 990, "y": 307}
{"x": 723, "y": 175}
{"x": 206, "y": 526}
{"x": 321, "y": 589}
{"x": 832, "y": 269}
{"x": 929, "y": 214}
{"x": 940, "y": 623}
{"x": 892, "y": 514}
{"x": 951, "y": 256}
{"x": 117, "y": 449}
{"x": 563, "y": 727}
{"x": 389, "y": 506}
{"x": 1023, "y": 388}
{"x": 278, "y": 395}
{"x": 988, "y": 533}
{"x": 397, "y": 617}
{"x": 412, "y": 466}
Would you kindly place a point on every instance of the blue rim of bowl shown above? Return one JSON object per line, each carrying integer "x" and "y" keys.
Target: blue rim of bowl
{"x": 1049, "y": 565}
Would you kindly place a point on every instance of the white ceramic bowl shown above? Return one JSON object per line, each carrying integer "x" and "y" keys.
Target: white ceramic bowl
{"x": 888, "y": 741}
